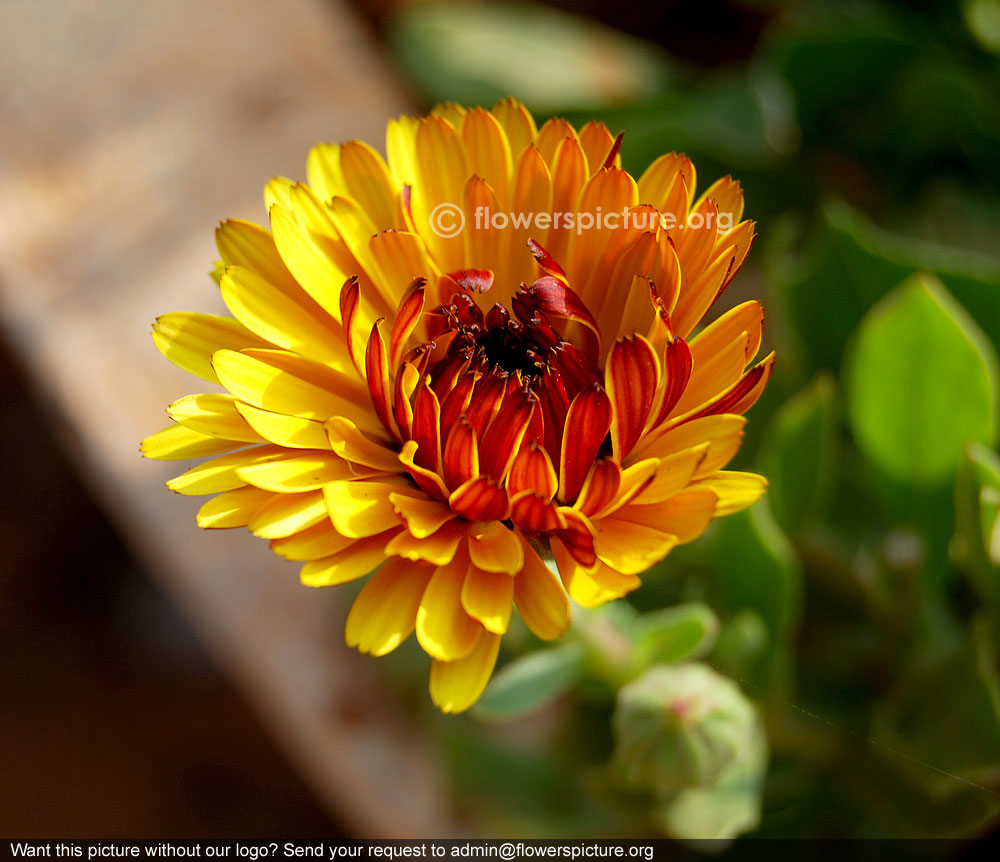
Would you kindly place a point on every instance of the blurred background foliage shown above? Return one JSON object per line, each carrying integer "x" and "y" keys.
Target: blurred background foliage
{"x": 850, "y": 619}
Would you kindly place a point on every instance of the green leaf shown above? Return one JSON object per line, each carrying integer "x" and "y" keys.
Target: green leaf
{"x": 800, "y": 455}
{"x": 524, "y": 684}
{"x": 977, "y": 515}
{"x": 674, "y": 634}
{"x": 921, "y": 383}
{"x": 476, "y": 53}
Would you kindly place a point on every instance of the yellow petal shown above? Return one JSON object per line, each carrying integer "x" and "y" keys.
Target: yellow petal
{"x": 352, "y": 563}
{"x": 627, "y": 547}
{"x": 685, "y": 515}
{"x": 215, "y": 415}
{"x": 540, "y": 598}
{"x": 517, "y": 122}
{"x": 660, "y": 177}
{"x": 385, "y": 612}
{"x": 488, "y": 597}
{"x": 286, "y": 383}
{"x": 219, "y": 474}
{"x": 361, "y": 508}
{"x": 438, "y": 548}
{"x": 723, "y": 432}
{"x": 311, "y": 265}
{"x": 296, "y": 473}
{"x": 673, "y": 474}
{"x": 457, "y": 685}
{"x": 301, "y": 325}
{"x": 400, "y": 136}
{"x": 488, "y": 149}
{"x": 422, "y": 515}
{"x": 735, "y": 490}
{"x": 283, "y": 430}
{"x": 592, "y": 587}
{"x": 441, "y": 175}
{"x": 177, "y": 442}
{"x": 495, "y": 548}
{"x": 232, "y": 509}
{"x": 444, "y": 629}
{"x": 189, "y": 340}
{"x": 245, "y": 244}
{"x": 286, "y": 514}
{"x": 319, "y": 540}
{"x": 351, "y": 445}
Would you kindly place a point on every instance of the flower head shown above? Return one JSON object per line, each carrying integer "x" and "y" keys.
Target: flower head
{"x": 458, "y": 364}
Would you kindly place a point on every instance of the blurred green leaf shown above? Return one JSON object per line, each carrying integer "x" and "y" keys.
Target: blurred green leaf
{"x": 524, "y": 684}
{"x": 983, "y": 20}
{"x": 800, "y": 455}
{"x": 476, "y": 53}
{"x": 741, "y": 642}
{"x": 756, "y": 568}
{"x": 977, "y": 511}
{"x": 850, "y": 265}
{"x": 943, "y": 717}
{"x": 673, "y": 634}
{"x": 921, "y": 383}
{"x": 738, "y": 121}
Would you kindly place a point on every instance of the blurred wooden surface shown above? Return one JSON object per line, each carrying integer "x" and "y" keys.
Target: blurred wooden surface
{"x": 127, "y": 131}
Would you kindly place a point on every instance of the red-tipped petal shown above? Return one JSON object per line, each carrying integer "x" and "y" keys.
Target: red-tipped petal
{"x": 407, "y": 314}
{"x": 469, "y": 280}
{"x": 631, "y": 378}
{"x": 547, "y": 262}
{"x": 428, "y": 480}
{"x": 600, "y": 487}
{"x": 426, "y": 428}
{"x": 480, "y": 499}
{"x": 587, "y": 424}
{"x": 506, "y": 431}
{"x": 551, "y": 297}
{"x": 616, "y": 147}
{"x": 350, "y": 298}
{"x": 533, "y": 513}
{"x": 533, "y": 471}
{"x": 461, "y": 454}
{"x": 578, "y": 538}
{"x": 677, "y": 367}
{"x": 456, "y": 402}
{"x": 377, "y": 369}
{"x": 742, "y": 395}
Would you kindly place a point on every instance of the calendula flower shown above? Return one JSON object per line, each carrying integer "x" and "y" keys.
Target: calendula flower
{"x": 455, "y": 365}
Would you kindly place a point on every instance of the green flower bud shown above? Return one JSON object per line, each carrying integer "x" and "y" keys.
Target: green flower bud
{"x": 679, "y": 727}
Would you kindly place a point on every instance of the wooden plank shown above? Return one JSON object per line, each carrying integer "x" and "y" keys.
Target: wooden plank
{"x": 127, "y": 131}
